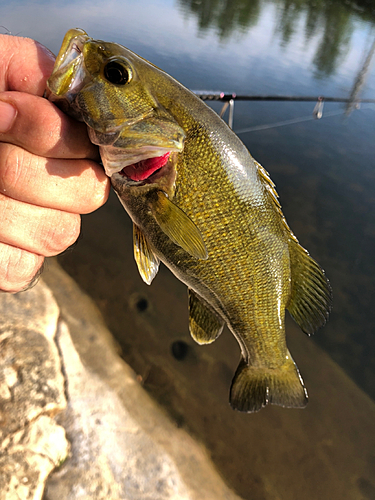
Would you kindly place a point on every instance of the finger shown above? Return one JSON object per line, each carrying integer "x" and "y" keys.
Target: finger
{"x": 42, "y": 231}
{"x": 25, "y": 65}
{"x": 17, "y": 268}
{"x": 40, "y": 127}
{"x": 76, "y": 186}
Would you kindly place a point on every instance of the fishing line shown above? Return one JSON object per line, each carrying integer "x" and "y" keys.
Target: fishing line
{"x": 293, "y": 121}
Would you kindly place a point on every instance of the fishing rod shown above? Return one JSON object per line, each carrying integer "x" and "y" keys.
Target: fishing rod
{"x": 222, "y": 96}
{"x": 229, "y": 99}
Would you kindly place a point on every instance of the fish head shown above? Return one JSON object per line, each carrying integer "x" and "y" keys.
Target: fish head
{"x": 112, "y": 90}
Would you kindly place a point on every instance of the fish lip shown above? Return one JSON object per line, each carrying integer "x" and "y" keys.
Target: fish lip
{"x": 71, "y": 63}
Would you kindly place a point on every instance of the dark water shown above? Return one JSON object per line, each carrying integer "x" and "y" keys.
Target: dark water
{"x": 324, "y": 169}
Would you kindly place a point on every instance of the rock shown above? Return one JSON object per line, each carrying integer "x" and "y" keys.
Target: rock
{"x": 31, "y": 392}
{"x": 29, "y": 456}
{"x": 112, "y": 455}
{"x": 35, "y": 309}
{"x": 31, "y": 382}
{"x": 61, "y": 375}
{"x": 123, "y": 445}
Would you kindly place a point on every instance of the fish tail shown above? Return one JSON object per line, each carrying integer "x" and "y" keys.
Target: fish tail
{"x": 254, "y": 387}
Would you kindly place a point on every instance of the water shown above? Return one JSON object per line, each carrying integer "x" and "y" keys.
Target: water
{"x": 324, "y": 169}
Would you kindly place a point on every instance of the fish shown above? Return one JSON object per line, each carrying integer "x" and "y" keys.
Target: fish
{"x": 201, "y": 205}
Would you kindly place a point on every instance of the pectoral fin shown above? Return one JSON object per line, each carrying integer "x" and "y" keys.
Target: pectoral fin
{"x": 147, "y": 261}
{"x": 177, "y": 225}
{"x": 204, "y": 324}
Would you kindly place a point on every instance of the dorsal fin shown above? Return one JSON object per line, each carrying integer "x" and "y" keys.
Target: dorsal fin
{"x": 271, "y": 188}
{"x": 204, "y": 324}
{"x": 311, "y": 297}
{"x": 147, "y": 261}
{"x": 177, "y": 225}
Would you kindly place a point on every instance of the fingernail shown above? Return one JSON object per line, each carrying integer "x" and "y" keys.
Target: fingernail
{"x": 7, "y": 116}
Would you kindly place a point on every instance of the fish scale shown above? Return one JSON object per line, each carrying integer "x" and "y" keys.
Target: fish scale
{"x": 233, "y": 282}
{"x": 210, "y": 213}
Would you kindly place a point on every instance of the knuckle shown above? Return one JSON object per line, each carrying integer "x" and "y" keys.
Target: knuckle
{"x": 13, "y": 163}
{"x": 60, "y": 235}
{"x": 17, "y": 268}
{"x": 17, "y": 169}
{"x": 95, "y": 187}
{"x": 98, "y": 196}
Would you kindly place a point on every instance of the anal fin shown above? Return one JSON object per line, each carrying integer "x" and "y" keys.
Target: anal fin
{"x": 204, "y": 324}
{"x": 254, "y": 387}
{"x": 177, "y": 225}
{"x": 147, "y": 261}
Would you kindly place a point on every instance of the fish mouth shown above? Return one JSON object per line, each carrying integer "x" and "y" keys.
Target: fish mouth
{"x": 142, "y": 170}
{"x": 135, "y": 164}
{"x": 69, "y": 74}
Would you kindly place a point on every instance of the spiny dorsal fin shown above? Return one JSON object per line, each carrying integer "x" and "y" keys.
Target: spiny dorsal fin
{"x": 254, "y": 387}
{"x": 147, "y": 261}
{"x": 311, "y": 297}
{"x": 204, "y": 324}
{"x": 271, "y": 189}
{"x": 177, "y": 225}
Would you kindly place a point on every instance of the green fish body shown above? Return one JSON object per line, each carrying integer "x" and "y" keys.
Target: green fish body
{"x": 203, "y": 206}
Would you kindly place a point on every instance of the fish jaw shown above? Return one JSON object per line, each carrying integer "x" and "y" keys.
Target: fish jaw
{"x": 69, "y": 74}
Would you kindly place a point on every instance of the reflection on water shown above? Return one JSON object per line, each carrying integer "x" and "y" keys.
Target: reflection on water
{"x": 360, "y": 80}
{"x": 227, "y": 17}
{"x": 331, "y": 22}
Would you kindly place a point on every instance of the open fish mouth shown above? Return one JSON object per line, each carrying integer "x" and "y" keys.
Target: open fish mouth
{"x": 143, "y": 169}
{"x": 135, "y": 164}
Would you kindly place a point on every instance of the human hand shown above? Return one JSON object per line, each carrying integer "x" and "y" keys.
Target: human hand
{"x": 48, "y": 167}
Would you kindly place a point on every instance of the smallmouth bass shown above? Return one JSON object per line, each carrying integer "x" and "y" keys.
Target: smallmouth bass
{"x": 201, "y": 205}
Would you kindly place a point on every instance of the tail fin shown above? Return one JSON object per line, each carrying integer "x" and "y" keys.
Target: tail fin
{"x": 255, "y": 387}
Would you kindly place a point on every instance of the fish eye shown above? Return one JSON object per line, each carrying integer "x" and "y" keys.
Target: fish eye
{"x": 116, "y": 73}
